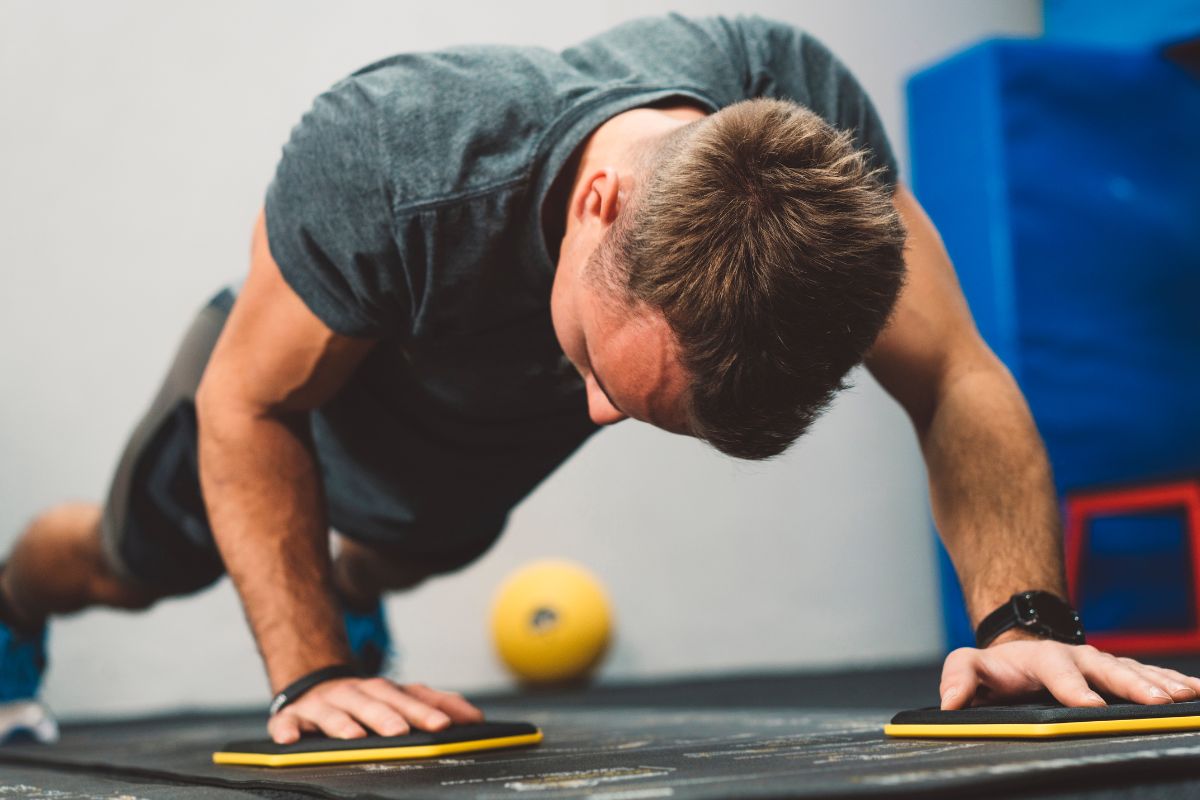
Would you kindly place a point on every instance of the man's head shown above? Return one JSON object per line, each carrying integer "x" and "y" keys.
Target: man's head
{"x": 729, "y": 276}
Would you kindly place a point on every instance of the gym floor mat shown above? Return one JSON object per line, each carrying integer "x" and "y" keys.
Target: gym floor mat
{"x": 748, "y": 737}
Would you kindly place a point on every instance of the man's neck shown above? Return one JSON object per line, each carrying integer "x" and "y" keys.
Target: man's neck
{"x": 608, "y": 143}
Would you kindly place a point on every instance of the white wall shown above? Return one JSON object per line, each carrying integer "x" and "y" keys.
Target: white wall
{"x": 136, "y": 139}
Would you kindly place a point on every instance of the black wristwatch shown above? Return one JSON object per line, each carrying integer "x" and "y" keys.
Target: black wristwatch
{"x": 1040, "y": 613}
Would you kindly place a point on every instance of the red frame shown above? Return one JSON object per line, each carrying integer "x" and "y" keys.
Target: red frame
{"x": 1081, "y": 508}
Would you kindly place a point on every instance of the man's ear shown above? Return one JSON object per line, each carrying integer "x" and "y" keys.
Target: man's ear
{"x": 601, "y": 196}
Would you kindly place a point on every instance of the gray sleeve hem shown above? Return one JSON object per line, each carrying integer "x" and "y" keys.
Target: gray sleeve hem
{"x": 316, "y": 297}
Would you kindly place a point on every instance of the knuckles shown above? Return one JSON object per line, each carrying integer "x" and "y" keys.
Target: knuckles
{"x": 341, "y": 693}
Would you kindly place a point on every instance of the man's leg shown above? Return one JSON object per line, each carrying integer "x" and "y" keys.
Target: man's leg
{"x": 360, "y": 584}
{"x": 58, "y": 567}
{"x": 364, "y": 570}
{"x": 363, "y": 574}
{"x": 147, "y": 540}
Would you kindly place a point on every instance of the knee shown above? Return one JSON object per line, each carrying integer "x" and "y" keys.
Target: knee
{"x": 66, "y": 542}
{"x": 68, "y": 521}
{"x": 118, "y": 592}
{"x": 111, "y": 586}
{"x": 107, "y": 584}
{"x": 359, "y": 568}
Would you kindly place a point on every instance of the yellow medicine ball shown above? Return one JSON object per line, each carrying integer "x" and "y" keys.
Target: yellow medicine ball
{"x": 551, "y": 622}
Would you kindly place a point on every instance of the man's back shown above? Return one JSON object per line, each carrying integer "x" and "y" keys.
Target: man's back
{"x": 407, "y": 207}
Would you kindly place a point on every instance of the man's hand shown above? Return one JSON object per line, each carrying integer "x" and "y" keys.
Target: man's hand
{"x": 350, "y": 707}
{"x": 1072, "y": 673}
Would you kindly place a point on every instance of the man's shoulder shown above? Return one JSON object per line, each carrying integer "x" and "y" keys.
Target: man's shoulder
{"x": 665, "y": 50}
{"x": 485, "y": 108}
{"x": 459, "y": 121}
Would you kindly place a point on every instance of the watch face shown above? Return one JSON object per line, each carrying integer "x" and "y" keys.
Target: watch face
{"x": 1046, "y": 614}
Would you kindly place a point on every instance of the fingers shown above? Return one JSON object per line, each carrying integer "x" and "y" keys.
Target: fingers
{"x": 327, "y": 718}
{"x": 1161, "y": 679}
{"x": 452, "y": 703}
{"x": 286, "y": 726}
{"x": 1059, "y": 673}
{"x": 1178, "y": 683}
{"x": 420, "y": 713}
{"x": 381, "y": 717}
{"x": 349, "y": 708}
{"x": 1112, "y": 675}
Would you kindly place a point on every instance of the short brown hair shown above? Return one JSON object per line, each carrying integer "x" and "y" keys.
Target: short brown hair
{"x": 774, "y": 253}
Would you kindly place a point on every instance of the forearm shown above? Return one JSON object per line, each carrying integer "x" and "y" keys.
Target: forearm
{"x": 993, "y": 496}
{"x": 264, "y": 500}
{"x": 994, "y": 502}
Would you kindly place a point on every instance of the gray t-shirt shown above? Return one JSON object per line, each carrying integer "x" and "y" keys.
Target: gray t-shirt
{"x": 406, "y": 207}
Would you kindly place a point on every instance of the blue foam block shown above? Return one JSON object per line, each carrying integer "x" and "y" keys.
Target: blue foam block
{"x": 1146, "y": 24}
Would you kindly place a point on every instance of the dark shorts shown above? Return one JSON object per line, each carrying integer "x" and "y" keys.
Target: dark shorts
{"x": 155, "y": 528}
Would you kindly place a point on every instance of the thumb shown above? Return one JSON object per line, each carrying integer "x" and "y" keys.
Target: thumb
{"x": 960, "y": 678}
{"x": 284, "y": 729}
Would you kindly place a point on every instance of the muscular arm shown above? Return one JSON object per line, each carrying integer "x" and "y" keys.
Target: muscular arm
{"x": 990, "y": 484}
{"x": 273, "y": 362}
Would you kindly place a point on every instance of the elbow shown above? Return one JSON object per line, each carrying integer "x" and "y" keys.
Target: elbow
{"x": 210, "y": 401}
{"x": 220, "y": 412}
{"x": 225, "y": 414}
{"x": 212, "y": 416}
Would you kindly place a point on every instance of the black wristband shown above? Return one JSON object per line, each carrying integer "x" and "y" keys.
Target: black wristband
{"x": 1041, "y": 613}
{"x": 292, "y": 692}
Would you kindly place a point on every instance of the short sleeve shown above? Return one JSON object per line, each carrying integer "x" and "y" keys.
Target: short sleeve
{"x": 329, "y": 215}
{"x": 789, "y": 64}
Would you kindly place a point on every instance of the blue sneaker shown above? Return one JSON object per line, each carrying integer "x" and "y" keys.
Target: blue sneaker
{"x": 22, "y": 662}
{"x": 370, "y": 641}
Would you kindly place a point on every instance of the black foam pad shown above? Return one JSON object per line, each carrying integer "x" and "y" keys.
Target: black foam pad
{"x": 316, "y": 749}
{"x": 1038, "y": 714}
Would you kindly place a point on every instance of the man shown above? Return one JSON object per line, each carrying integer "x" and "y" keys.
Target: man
{"x": 470, "y": 259}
